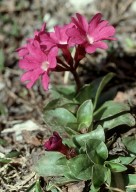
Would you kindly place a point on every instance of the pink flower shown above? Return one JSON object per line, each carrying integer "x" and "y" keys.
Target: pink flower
{"x": 90, "y": 35}
{"x": 57, "y": 38}
{"x": 22, "y": 51}
{"x": 37, "y": 64}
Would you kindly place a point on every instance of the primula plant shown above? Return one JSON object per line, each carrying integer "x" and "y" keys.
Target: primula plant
{"x": 83, "y": 118}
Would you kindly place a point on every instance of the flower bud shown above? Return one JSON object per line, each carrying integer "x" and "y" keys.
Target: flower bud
{"x": 54, "y": 143}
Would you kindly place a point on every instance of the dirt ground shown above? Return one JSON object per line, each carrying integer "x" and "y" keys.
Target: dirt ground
{"x": 22, "y": 128}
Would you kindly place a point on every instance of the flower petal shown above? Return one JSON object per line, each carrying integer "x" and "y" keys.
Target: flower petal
{"x": 35, "y": 51}
{"x": 31, "y": 77}
{"x": 101, "y": 44}
{"x": 90, "y": 48}
{"x": 104, "y": 33}
{"x": 52, "y": 58}
{"x": 22, "y": 51}
{"x": 82, "y": 22}
{"x": 75, "y": 37}
{"x": 27, "y": 65}
{"x": 94, "y": 22}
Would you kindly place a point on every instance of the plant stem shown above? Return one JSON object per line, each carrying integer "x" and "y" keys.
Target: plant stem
{"x": 77, "y": 80}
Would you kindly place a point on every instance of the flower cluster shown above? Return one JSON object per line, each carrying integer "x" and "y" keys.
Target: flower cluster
{"x": 40, "y": 54}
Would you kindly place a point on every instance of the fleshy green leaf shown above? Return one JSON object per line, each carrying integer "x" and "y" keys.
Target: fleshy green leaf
{"x": 115, "y": 167}
{"x": 130, "y": 182}
{"x": 80, "y": 167}
{"x": 51, "y": 187}
{"x": 3, "y": 110}
{"x": 99, "y": 175}
{"x": 53, "y": 104}
{"x": 88, "y": 91}
{"x": 70, "y": 131}
{"x": 64, "y": 180}
{"x": 130, "y": 143}
{"x": 125, "y": 119}
{"x": 67, "y": 90}
{"x": 109, "y": 109}
{"x": 59, "y": 118}
{"x": 69, "y": 142}
{"x": 102, "y": 84}
{"x": 48, "y": 165}
{"x": 85, "y": 114}
{"x": 5, "y": 160}
{"x": 93, "y": 90}
{"x": 3, "y": 142}
{"x": 38, "y": 187}
{"x": 94, "y": 189}
{"x": 107, "y": 95}
{"x": 31, "y": 187}
{"x": 108, "y": 176}
{"x": 62, "y": 103}
{"x": 96, "y": 151}
{"x": 2, "y": 59}
{"x": 72, "y": 107}
{"x": 12, "y": 154}
{"x": 126, "y": 160}
{"x": 82, "y": 139}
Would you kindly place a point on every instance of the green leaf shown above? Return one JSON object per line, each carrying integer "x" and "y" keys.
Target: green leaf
{"x": 59, "y": 118}
{"x": 94, "y": 189}
{"x": 3, "y": 142}
{"x": 61, "y": 103}
{"x": 68, "y": 91}
{"x": 88, "y": 91}
{"x": 4, "y": 160}
{"x": 52, "y": 104}
{"x": 38, "y": 187}
{"x": 48, "y": 165}
{"x": 55, "y": 190}
{"x": 109, "y": 109}
{"x": 80, "y": 167}
{"x": 96, "y": 151}
{"x": 2, "y": 59}
{"x": 3, "y": 109}
{"x": 130, "y": 181}
{"x": 93, "y": 90}
{"x": 108, "y": 176}
{"x": 54, "y": 94}
{"x": 52, "y": 187}
{"x": 70, "y": 131}
{"x": 123, "y": 160}
{"x": 69, "y": 142}
{"x": 107, "y": 96}
{"x": 82, "y": 139}
{"x": 125, "y": 119}
{"x": 115, "y": 167}
{"x": 130, "y": 143}
{"x": 72, "y": 107}
{"x": 102, "y": 84}
{"x": 85, "y": 114}
{"x": 126, "y": 160}
{"x": 30, "y": 189}
{"x": 64, "y": 180}
{"x": 13, "y": 154}
{"x": 99, "y": 175}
